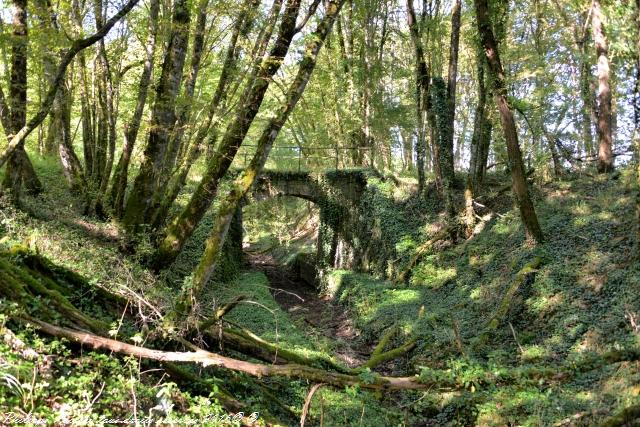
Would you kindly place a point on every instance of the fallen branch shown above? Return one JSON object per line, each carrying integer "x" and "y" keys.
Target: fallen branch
{"x": 505, "y": 303}
{"x": 444, "y": 381}
{"x": 206, "y": 358}
{"x": 377, "y": 359}
{"x": 421, "y": 251}
{"x": 247, "y": 342}
{"x": 384, "y": 340}
{"x": 221, "y": 312}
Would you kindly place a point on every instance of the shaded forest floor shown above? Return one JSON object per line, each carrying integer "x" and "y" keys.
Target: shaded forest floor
{"x": 583, "y": 299}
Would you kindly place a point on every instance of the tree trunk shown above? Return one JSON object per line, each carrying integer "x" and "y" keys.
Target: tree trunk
{"x": 229, "y": 204}
{"x": 407, "y": 150}
{"x": 587, "y": 100}
{"x": 636, "y": 119}
{"x": 422, "y": 94}
{"x": 59, "y": 136}
{"x": 242, "y": 26}
{"x": 520, "y": 189}
{"x": 605, "y": 153}
{"x": 19, "y": 171}
{"x": 48, "y": 25}
{"x": 454, "y": 48}
{"x": 139, "y": 206}
{"x": 182, "y": 227}
{"x": 131, "y": 128}
{"x": 481, "y": 138}
{"x": 182, "y": 118}
{"x": 71, "y": 166}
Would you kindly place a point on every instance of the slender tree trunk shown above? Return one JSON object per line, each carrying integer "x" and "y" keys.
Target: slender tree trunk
{"x": 182, "y": 227}
{"x": 131, "y": 128}
{"x": 481, "y": 138}
{"x": 139, "y": 206}
{"x": 19, "y": 171}
{"x": 605, "y": 153}
{"x": 587, "y": 100}
{"x": 71, "y": 166}
{"x": 230, "y": 203}
{"x": 407, "y": 150}
{"x": 86, "y": 118}
{"x": 636, "y": 117}
{"x": 520, "y": 189}
{"x": 454, "y": 48}
{"x": 422, "y": 94}
{"x": 48, "y": 25}
{"x": 59, "y": 136}
{"x": 447, "y": 167}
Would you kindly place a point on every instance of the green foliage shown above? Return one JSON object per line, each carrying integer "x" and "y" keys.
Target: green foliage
{"x": 88, "y": 390}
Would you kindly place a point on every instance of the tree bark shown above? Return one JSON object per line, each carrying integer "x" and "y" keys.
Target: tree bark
{"x": 245, "y": 181}
{"x": 422, "y": 79}
{"x": 481, "y": 138}
{"x": 139, "y": 206}
{"x": 182, "y": 227}
{"x": 19, "y": 171}
{"x": 454, "y": 48}
{"x": 183, "y": 113}
{"x": 131, "y": 128}
{"x": 519, "y": 182}
{"x": 636, "y": 119}
{"x": 605, "y": 153}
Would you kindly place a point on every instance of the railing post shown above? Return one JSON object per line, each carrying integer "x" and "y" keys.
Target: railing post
{"x": 337, "y": 158}
{"x": 299, "y": 159}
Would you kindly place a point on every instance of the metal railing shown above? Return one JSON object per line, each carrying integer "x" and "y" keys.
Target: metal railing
{"x": 293, "y": 157}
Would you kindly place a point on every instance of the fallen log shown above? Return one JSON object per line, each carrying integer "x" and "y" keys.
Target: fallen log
{"x": 206, "y": 358}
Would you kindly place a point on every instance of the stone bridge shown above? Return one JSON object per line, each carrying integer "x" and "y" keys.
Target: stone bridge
{"x": 338, "y": 194}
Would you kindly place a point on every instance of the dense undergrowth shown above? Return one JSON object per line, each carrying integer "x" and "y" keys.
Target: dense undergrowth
{"x": 583, "y": 299}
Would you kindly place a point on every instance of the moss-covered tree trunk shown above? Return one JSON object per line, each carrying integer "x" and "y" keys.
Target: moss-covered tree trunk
{"x": 481, "y": 138}
{"x": 208, "y": 130}
{"x": 422, "y": 94}
{"x": 447, "y": 155}
{"x": 71, "y": 165}
{"x": 183, "y": 114}
{"x": 242, "y": 185}
{"x": 182, "y": 227}
{"x": 19, "y": 171}
{"x": 139, "y": 206}
{"x": 519, "y": 182}
{"x": 132, "y": 127}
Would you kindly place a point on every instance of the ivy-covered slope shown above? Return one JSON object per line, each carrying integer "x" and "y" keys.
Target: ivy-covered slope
{"x": 583, "y": 299}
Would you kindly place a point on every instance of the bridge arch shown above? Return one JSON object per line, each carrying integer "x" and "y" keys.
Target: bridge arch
{"x": 337, "y": 194}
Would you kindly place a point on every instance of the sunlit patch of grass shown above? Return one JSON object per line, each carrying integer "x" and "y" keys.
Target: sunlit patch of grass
{"x": 581, "y": 208}
{"x": 534, "y": 353}
{"x": 429, "y": 274}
